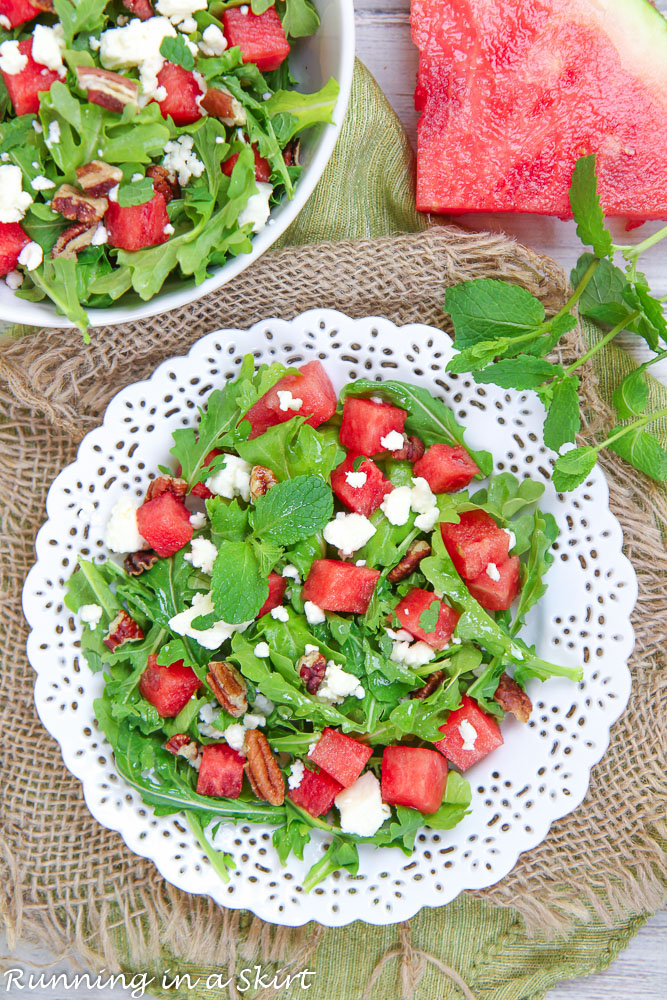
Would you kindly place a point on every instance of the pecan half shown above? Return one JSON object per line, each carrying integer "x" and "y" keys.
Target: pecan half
{"x": 45, "y": 5}
{"x": 413, "y": 449}
{"x": 182, "y": 746}
{"x": 229, "y": 687}
{"x": 223, "y": 105}
{"x": 122, "y": 629}
{"x": 292, "y": 153}
{"x": 81, "y": 207}
{"x": 261, "y": 481}
{"x": 432, "y": 684}
{"x": 262, "y": 769}
{"x": 164, "y": 182}
{"x": 97, "y": 177}
{"x": 142, "y": 8}
{"x": 110, "y": 90}
{"x": 137, "y": 563}
{"x": 166, "y": 484}
{"x": 312, "y": 667}
{"x": 417, "y": 551}
{"x": 513, "y": 698}
{"x": 73, "y": 239}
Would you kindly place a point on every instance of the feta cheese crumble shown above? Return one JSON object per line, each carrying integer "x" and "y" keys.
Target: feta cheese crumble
{"x": 257, "y": 210}
{"x": 100, "y": 236}
{"x": 338, "y": 685}
{"x": 280, "y": 614}
{"x": 396, "y": 505}
{"x": 179, "y": 10}
{"x": 180, "y": 159}
{"x": 468, "y": 734}
{"x": 90, "y": 615}
{"x": 122, "y": 532}
{"x": 31, "y": 256}
{"x": 5, "y": 23}
{"x": 290, "y": 572}
{"x": 138, "y": 44}
{"x": 210, "y": 638}
{"x": 53, "y": 135}
{"x": 393, "y": 441}
{"x": 356, "y": 479}
{"x": 41, "y": 183}
{"x": 310, "y": 648}
{"x": 14, "y": 280}
{"x": 362, "y": 811}
{"x": 348, "y": 532}
{"x": 202, "y": 555}
{"x": 414, "y": 654}
{"x": 314, "y": 614}
{"x": 233, "y": 480}
{"x": 213, "y": 42}
{"x": 511, "y": 536}
{"x": 422, "y": 498}
{"x": 428, "y": 520}
{"x": 198, "y": 520}
{"x": 48, "y": 45}
{"x": 262, "y": 650}
{"x": 14, "y": 201}
{"x": 288, "y": 401}
{"x": 492, "y": 572}
{"x": 12, "y": 60}
{"x": 263, "y": 704}
{"x": 296, "y": 774}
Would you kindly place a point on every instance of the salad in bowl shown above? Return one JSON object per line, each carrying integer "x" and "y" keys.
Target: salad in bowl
{"x": 144, "y": 141}
{"x": 313, "y": 620}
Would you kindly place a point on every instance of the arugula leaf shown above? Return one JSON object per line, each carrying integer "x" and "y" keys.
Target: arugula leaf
{"x": 521, "y": 372}
{"x": 504, "y": 497}
{"x": 341, "y": 853}
{"x": 428, "y": 619}
{"x": 485, "y": 308}
{"x": 294, "y": 448}
{"x": 642, "y": 450}
{"x": 572, "y": 468}
{"x": 540, "y": 558}
{"x": 563, "y": 419}
{"x": 455, "y": 803}
{"x": 293, "y": 510}
{"x": 630, "y": 396}
{"x": 239, "y": 589}
{"x": 292, "y": 111}
{"x": 586, "y": 208}
{"x": 80, "y": 15}
{"x": 293, "y": 837}
{"x": 176, "y": 51}
{"x": 58, "y": 278}
{"x": 220, "y": 861}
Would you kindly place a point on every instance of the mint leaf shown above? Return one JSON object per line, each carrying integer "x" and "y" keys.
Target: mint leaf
{"x": 487, "y": 308}
{"x": 137, "y": 193}
{"x": 564, "y": 418}
{"x": 477, "y": 357}
{"x": 238, "y": 589}
{"x": 229, "y": 521}
{"x": 602, "y": 298}
{"x": 293, "y": 510}
{"x": 586, "y": 208}
{"x": 642, "y": 450}
{"x": 176, "y": 51}
{"x": 522, "y": 372}
{"x": 572, "y": 468}
{"x": 630, "y": 396}
{"x": 428, "y": 619}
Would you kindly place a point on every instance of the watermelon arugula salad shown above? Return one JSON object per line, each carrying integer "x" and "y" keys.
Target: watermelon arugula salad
{"x": 315, "y": 620}
{"x": 144, "y": 139}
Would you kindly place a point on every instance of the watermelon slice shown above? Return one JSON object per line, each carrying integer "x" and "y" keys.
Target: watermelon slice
{"x": 413, "y": 776}
{"x": 12, "y": 241}
{"x": 340, "y": 586}
{"x": 261, "y": 37}
{"x": 168, "y": 688}
{"x": 221, "y": 771}
{"x": 18, "y": 11}
{"x": 475, "y": 542}
{"x": 25, "y": 87}
{"x": 200, "y": 489}
{"x": 469, "y": 726}
{"x": 313, "y": 387}
{"x": 366, "y": 422}
{"x": 340, "y": 756}
{"x": 514, "y": 92}
{"x": 277, "y": 585}
{"x": 262, "y": 166}
{"x": 182, "y": 93}
{"x": 316, "y": 793}
{"x": 367, "y": 497}
{"x": 446, "y": 468}
{"x": 410, "y": 609}
{"x": 497, "y": 595}
{"x": 165, "y": 524}
{"x": 136, "y": 226}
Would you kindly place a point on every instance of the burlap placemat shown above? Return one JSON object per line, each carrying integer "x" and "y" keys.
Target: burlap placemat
{"x": 69, "y": 884}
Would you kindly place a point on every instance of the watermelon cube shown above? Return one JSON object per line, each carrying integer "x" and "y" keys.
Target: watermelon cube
{"x": 277, "y": 585}
{"x": 137, "y": 226}
{"x": 165, "y": 524}
{"x": 366, "y": 422}
{"x": 25, "y": 87}
{"x": 497, "y": 595}
{"x": 446, "y": 468}
{"x": 313, "y": 387}
{"x": 18, "y": 11}
{"x": 200, "y": 489}
{"x": 12, "y": 241}
{"x": 182, "y": 93}
{"x": 475, "y": 542}
{"x": 260, "y": 37}
{"x": 340, "y": 756}
{"x": 220, "y": 772}
{"x": 262, "y": 166}
{"x": 414, "y": 777}
{"x": 168, "y": 688}
{"x": 410, "y": 609}
{"x": 316, "y": 793}
{"x": 469, "y": 726}
{"x": 340, "y": 586}
{"x": 363, "y": 499}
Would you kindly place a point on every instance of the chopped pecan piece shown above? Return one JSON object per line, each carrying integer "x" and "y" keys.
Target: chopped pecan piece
{"x": 110, "y": 90}
{"x": 80, "y": 207}
{"x": 97, "y": 177}
{"x": 166, "y": 484}
{"x": 262, "y": 769}
{"x": 122, "y": 629}
{"x": 413, "y": 449}
{"x": 73, "y": 239}
{"x": 142, "y": 8}
{"x": 432, "y": 684}
{"x": 417, "y": 551}
{"x": 138, "y": 562}
{"x": 513, "y": 698}
{"x": 229, "y": 687}
{"x": 223, "y": 105}
{"x": 182, "y": 746}
{"x": 312, "y": 667}
{"x": 164, "y": 182}
{"x": 45, "y": 5}
{"x": 292, "y": 153}
{"x": 261, "y": 481}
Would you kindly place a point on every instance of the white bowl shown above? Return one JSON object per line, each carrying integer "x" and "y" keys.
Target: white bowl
{"x": 327, "y": 53}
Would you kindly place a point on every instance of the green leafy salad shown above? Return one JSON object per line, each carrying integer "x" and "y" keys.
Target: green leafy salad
{"x": 144, "y": 141}
{"x": 315, "y": 620}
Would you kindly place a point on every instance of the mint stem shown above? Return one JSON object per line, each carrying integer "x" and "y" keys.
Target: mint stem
{"x": 635, "y": 425}
{"x": 601, "y": 343}
{"x": 631, "y": 252}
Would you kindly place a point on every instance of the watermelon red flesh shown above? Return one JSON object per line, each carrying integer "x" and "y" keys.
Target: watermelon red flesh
{"x": 262, "y": 166}
{"x": 362, "y": 499}
{"x": 488, "y": 736}
{"x": 18, "y": 11}
{"x": 221, "y": 771}
{"x": 513, "y": 93}
{"x": 475, "y": 542}
{"x": 260, "y": 37}
{"x": 12, "y": 241}
{"x": 412, "y": 606}
{"x": 182, "y": 93}
{"x": 137, "y": 226}
{"x": 340, "y": 586}
{"x": 413, "y": 776}
{"x": 165, "y": 524}
{"x": 25, "y": 87}
{"x": 313, "y": 387}
{"x": 446, "y": 468}
{"x": 200, "y": 489}
{"x": 365, "y": 423}
{"x": 170, "y": 688}
{"x": 276, "y": 593}
{"x": 340, "y": 756}
{"x": 497, "y": 595}
{"x": 316, "y": 793}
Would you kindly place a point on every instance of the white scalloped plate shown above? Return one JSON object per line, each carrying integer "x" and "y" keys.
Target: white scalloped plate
{"x": 542, "y": 771}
